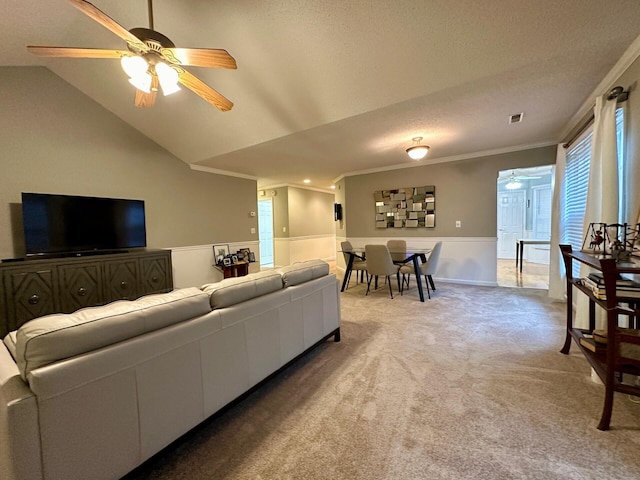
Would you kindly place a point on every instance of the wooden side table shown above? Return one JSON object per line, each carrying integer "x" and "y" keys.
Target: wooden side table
{"x": 239, "y": 269}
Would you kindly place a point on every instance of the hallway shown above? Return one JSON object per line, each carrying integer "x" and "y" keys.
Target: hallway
{"x": 534, "y": 275}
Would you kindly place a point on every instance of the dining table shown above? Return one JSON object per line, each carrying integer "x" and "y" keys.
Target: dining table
{"x": 412, "y": 255}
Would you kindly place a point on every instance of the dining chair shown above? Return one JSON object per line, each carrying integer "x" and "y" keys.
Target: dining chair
{"x": 379, "y": 263}
{"x": 398, "y": 249}
{"x": 427, "y": 269}
{"x": 359, "y": 264}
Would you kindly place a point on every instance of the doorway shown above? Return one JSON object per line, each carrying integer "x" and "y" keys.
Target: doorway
{"x": 265, "y": 230}
{"x": 524, "y": 203}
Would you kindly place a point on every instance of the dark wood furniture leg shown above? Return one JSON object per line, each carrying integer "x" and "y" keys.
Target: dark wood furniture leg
{"x": 521, "y": 254}
{"x": 568, "y": 270}
{"x": 416, "y": 270}
{"x": 347, "y": 272}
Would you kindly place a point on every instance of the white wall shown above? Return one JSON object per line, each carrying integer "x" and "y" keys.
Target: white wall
{"x": 298, "y": 249}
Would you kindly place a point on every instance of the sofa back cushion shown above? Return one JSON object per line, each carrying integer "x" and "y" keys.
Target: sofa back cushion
{"x": 235, "y": 290}
{"x": 301, "y": 272}
{"x": 55, "y": 337}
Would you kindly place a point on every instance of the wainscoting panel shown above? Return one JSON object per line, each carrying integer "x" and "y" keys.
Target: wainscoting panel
{"x": 465, "y": 260}
{"x": 299, "y": 249}
{"x": 193, "y": 265}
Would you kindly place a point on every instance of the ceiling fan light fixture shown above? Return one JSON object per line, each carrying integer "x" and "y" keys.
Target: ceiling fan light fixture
{"x": 134, "y": 66}
{"x": 513, "y": 185}
{"x": 142, "y": 82}
{"x": 417, "y": 151}
{"x": 168, "y": 78}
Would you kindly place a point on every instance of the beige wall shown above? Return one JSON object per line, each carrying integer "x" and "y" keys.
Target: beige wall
{"x": 310, "y": 212}
{"x": 300, "y": 211}
{"x": 466, "y": 190}
{"x": 280, "y": 199}
{"x": 54, "y": 139}
{"x": 341, "y": 226}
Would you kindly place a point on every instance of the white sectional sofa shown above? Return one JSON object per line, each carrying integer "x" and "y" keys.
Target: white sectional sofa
{"x": 93, "y": 394}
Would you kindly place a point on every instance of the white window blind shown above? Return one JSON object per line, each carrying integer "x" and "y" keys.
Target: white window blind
{"x": 622, "y": 187}
{"x": 576, "y": 180}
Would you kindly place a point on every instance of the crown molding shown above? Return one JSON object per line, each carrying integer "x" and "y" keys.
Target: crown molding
{"x": 221, "y": 172}
{"x": 453, "y": 158}
{"x": 302, "y": 187}
{"x": 621, "y": 66}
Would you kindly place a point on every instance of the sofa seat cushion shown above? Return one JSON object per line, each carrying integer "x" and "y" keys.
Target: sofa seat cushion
{"x": 301, "y": 272}
{"x": 45, "y": 340}
{"x": 239, "y": 289}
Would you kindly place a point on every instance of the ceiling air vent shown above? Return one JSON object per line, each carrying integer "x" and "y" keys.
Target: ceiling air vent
{"x": 516, "y": 118}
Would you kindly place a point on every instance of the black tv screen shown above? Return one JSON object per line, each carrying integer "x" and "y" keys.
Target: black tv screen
{"x": 66, "y": 223}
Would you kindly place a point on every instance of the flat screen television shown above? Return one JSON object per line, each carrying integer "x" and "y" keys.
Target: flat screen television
{"x": 59, "y": 224}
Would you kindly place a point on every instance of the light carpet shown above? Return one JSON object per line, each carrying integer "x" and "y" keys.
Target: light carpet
{"x": 468, "y": 385}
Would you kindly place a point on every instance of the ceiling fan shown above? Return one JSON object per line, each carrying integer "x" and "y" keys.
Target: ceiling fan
{"x": 151, "y": 59}
{"x": 514, "y": 181}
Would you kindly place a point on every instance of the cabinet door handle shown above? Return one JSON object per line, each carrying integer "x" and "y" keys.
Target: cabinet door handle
{"x": 82, "y": 291}
{"x": 155, "y": 279}
{"x": 123, "y": 285}
{"x": 34, "y": 299}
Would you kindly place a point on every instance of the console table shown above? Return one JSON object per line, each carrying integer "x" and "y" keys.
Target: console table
{"x": 238, "y": 269}
{"x": 31, "y": 288}
{"x": 608, "y": 362}
{"x": 520, "y": 248}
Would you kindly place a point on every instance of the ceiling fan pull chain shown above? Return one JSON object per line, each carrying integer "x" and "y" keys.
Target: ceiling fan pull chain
{"x": 150, "y": 3}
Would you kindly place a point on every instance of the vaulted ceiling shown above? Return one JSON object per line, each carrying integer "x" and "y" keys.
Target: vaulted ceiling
{"x": 328, "y": 87}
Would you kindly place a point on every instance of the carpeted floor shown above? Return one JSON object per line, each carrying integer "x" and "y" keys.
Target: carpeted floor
{"x": 468, "y": 385}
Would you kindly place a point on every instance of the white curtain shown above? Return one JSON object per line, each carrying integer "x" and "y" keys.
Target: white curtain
{"x": 602, "y": 196}
{"x": 557, "y": 282}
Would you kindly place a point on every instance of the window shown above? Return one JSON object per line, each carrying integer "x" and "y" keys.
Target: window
{"x": 576, "y": 179}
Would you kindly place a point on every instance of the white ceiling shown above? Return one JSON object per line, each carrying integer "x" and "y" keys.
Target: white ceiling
{"x": 328, "y": 87}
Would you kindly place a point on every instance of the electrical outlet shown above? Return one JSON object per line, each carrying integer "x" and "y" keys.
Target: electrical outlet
{"x": 253, "y": 230}
{"x": 458, "y": 224}
{"x": 284, "y": 229}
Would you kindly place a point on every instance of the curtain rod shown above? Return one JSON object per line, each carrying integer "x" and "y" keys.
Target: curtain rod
{"x": 616, "y": 92}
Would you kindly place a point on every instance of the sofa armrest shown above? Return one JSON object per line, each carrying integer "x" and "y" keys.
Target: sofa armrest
{"x": 19, "y": 431}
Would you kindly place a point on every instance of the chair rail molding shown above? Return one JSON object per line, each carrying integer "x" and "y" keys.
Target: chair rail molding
{"x": 463, "y": 260}
{"x": 193, "y": 265}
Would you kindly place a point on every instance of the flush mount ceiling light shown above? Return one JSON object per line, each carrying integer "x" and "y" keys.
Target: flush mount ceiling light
{"x": 417, "y": 151}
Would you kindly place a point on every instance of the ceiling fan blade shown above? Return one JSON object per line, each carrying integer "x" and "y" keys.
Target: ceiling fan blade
{"x": 200, "y": 57}
{"x": 205, "y": 91}
{"x": 103, "y": 19}
{"x": 147, "y": 100}
{"x": 72, "y": 52}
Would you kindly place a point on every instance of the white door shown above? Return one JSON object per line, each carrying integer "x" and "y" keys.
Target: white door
{"x": 542, "y": 197}
{"x": 510, "y": 221}
{"x": 265, "y": 230}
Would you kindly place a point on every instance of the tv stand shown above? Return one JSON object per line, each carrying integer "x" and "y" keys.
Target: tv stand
{"x": 34, "y": 286}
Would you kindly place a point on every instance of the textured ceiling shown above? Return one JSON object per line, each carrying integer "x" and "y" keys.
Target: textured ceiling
{"x": 327, "y": 87}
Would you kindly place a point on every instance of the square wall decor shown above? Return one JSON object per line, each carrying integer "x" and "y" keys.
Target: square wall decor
{"x": 411, "y": 207}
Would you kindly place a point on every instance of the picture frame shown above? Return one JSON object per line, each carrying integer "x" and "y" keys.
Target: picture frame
{"x": 221, "y": 249}
{"x": 226, "y": 261}
{"x": 219, "y": 259}
{"x": 234, "y": 259}
{"x": 245, "y": 254}
{"x": 252, "y": 257}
